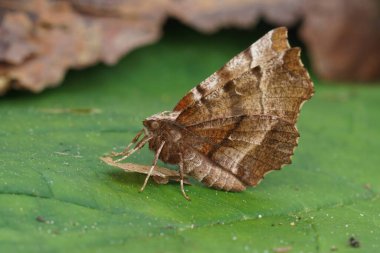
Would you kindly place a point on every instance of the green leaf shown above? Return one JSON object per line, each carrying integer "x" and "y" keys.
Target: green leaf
{"x": 57, "y": 196}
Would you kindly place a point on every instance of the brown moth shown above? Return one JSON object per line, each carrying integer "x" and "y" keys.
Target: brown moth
{"x": 239, "y": 123}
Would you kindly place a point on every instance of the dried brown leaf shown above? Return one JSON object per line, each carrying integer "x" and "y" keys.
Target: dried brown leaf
{"x": 160, "y": 175}
{"x": 41, "y": 39}
{"x": 210, "y": 16}
{"x": 343, "y": 38}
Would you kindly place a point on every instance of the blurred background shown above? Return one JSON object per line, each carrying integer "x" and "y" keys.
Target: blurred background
{"x": 41, "y": 39}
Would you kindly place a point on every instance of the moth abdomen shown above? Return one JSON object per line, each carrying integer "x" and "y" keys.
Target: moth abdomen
{"x": 220, "y": 179}
{"x": 209, "y": 173}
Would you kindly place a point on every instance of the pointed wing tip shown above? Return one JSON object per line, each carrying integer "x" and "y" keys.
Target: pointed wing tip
{"x": 279, "y": 39}
{"x": 282, "y": 30}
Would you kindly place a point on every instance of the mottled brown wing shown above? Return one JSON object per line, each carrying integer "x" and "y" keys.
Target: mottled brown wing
{"x": 260, "y": 52}
{"x": 246, "y": 146}
{"x": 244, "y": 115}
{"x": 277, "y": 87}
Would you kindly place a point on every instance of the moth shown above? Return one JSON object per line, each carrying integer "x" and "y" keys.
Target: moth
{"x": 238, "y": 124}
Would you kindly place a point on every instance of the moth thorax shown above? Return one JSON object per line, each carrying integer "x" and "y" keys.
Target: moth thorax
{"x": 175, "y": 135}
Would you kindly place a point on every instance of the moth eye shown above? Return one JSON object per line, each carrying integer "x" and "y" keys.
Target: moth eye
{"x": 154, "y": 125}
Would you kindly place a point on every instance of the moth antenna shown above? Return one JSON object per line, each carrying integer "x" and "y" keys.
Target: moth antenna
{"x": 153, "y": 165}
{"x": 138, "y": 146}
{"x": 134, "y": 140}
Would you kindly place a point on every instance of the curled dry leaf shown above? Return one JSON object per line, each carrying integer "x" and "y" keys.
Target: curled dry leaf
{"x": 41, "y": 39}
{"x": 343, "y": 38}
{"x": 160, "y": 175}
{"x": 212, "y": 15}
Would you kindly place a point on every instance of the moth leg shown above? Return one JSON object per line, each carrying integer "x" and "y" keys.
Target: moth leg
{"x": 134, "y": 140}
{"x": 153, "y": 165}
{"x": 138, "y": 146}
{"x": 181, "y": 177}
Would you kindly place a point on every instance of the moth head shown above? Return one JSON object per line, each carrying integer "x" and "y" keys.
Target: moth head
{"x": 155, "y": 122}
{"x": 151, "y": 125}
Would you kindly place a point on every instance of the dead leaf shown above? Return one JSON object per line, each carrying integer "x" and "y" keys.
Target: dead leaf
{"x": 212, "y": 15}
{"x": 343, "y": 38}
{"x": 41, "y": 39}
{"x": 160, "y": 175}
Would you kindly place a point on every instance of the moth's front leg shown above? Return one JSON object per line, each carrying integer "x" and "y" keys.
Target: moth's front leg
{"x": 153, "y": 165}
{"x": 181, "y": 174}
